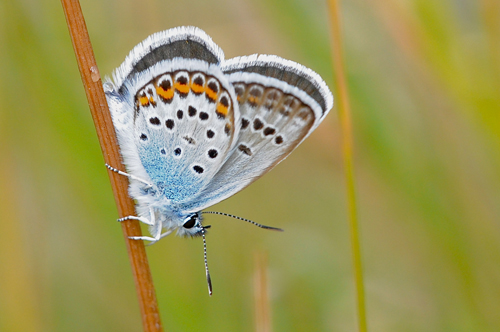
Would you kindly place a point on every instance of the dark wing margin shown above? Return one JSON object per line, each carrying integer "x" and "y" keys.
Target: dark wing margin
{"x": 287, "y": 71}
{"x": 181, "y": 42}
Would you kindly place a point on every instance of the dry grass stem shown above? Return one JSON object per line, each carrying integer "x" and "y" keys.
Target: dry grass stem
{"x": 261, "y": 295}
{"x": 107, "y": 139}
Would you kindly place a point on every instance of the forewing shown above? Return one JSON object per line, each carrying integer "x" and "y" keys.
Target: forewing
{"x": 280, "y": 103}
{"x": 175, "y": 112}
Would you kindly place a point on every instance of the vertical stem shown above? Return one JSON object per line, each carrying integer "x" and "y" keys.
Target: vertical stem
{"x": 347, "y": 149}
{"x": 107, "y": 139}
{"x": 261, "y": 294}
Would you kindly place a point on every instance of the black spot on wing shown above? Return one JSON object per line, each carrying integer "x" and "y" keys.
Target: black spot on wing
{"x": 245, "y": 149}
{"x": 198, "y": 169}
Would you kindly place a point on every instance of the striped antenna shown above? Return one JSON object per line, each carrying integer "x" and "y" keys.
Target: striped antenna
{"x": 247, "y": 220}
{"x": 209, "y": 280}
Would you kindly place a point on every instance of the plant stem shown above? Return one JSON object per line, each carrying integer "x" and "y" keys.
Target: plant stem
{"x": 347, "y": 149}
{"x": 107, "y": 139}
{"x": 261, "y": 294}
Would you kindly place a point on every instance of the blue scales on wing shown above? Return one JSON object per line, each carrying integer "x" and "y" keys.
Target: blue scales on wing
{"x": 183, "y": 130}
{"x": 184, "y": 113}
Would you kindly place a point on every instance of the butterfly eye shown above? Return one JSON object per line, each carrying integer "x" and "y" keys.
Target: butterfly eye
{"x": 190, "y": 222}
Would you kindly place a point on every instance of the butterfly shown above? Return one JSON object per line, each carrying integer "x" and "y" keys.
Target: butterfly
{"x": 195, "y": 129}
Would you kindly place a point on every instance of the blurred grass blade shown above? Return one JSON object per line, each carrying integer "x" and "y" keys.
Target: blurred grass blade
{"x": 106, "y": 134}
{"x": 261, "y": 294}
{"x": 347, "y": 147}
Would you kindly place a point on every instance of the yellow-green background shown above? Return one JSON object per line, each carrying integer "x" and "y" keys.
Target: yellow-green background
{"x": 424, "y": 77}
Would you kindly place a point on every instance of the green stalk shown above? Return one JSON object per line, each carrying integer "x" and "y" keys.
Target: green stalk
{"x": 344, "y": 112}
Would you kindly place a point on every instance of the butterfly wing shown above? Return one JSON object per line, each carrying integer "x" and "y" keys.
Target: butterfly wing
{"x": 174, "y": 112}
{"x": 281, "y": 103}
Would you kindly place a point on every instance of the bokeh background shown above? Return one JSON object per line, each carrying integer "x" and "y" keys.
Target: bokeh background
{"x": 424, "y": 78}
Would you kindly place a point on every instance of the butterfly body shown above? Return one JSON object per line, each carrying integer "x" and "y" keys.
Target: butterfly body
{"x": 194, "y": 129}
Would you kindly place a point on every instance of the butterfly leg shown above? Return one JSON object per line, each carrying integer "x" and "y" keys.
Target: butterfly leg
{"x": 156, "y": 232}
{"x": 141, "y": 219}
{"x": 130, "y": 176}
{"x": 161, "y": 237}
{"x": 150, "y": 221}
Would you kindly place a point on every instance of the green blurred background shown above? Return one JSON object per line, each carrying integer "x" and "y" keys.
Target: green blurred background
{"x": 424, "y": 78}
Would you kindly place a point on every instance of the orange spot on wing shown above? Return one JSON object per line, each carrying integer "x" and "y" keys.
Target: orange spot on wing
{"x": 253, "y": 100}
{"x": 211, "y": 94}
{"x": 165, "y": 94}
{"x": 221, "y": 109}
{"x": 197, "y": 88}
{"x": 144, "y": 101}
{"x": 152, "y": 101}
{"x": 182, "y": 88}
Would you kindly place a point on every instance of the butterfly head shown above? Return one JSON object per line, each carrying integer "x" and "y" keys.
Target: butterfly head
{"x": 191, "y": 225}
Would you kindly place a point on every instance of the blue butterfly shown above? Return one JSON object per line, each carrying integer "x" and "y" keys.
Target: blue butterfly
{"x": 194, "y": 128}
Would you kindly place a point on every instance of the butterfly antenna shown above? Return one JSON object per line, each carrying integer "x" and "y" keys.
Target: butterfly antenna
{"x": 247, "y": 220}
{"x": 209, "y": 280}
